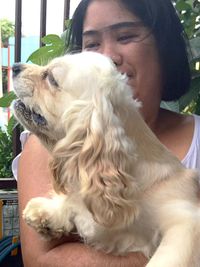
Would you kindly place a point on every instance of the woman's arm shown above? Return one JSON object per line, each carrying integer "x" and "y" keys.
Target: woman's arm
{"x": 34, "y": 180}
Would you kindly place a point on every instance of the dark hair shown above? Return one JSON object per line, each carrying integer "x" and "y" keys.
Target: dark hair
{"x": 160, "y": 16}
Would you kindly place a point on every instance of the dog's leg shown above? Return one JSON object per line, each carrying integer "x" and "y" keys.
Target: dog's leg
{"x": 50, "y": 217}
{"x": 178, "y": 247}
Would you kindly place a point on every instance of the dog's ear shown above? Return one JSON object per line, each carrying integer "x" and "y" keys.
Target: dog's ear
{"x": 97, "y": 158}
{"x": 65, "y": 155}
{"x": 106, "y": 167}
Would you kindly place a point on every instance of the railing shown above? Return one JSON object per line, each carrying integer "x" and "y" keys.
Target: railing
{"x": 18, "y": 35}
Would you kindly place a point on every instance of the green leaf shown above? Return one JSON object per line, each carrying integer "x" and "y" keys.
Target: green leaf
{"x": 195, "y": 46}
{"x": 7, "y": 30}
{"x": 54, "y": 47}
{"x": 12, "y": 123}
{"x": 6, "y": 154}
{"x": 7, "y": 99}
{"x": 43, "y": 55}
{"x": 197, "y": 110}
{"x": 52, "y": 39}
{"x": 182, "y": 5}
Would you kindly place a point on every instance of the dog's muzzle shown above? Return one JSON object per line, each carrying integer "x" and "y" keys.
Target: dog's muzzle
{"x": 28, "y": 114}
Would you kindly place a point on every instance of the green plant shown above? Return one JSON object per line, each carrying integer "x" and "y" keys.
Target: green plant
{"x": 54, "y": 47}
{"x": 6, "y": 146}
{"x": 189, "y": 11}
{"x": 7, "y": 30}
{"x": 5, "y": 102}
{"x": 7, "y": 99}
{"x": 6, "y": 153}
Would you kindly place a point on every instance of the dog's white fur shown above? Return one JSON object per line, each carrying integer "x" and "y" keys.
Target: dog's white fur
{"x": 114, "y": 181}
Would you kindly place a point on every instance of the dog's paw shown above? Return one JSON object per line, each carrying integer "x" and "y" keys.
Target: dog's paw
{"x": 40, "y": 214}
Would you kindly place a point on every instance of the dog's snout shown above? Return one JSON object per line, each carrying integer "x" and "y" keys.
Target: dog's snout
{"x": 17, "y": 68}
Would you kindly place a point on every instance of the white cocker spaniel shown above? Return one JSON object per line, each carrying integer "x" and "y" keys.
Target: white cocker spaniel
{"x": 114, "y": 182}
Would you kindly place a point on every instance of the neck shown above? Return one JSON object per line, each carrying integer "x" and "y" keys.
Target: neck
{"x": 152, "y": 117}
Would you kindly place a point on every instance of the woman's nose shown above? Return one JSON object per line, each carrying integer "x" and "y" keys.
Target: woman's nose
{"x": 113, "y": 54}
{"x": 117, "y": 59}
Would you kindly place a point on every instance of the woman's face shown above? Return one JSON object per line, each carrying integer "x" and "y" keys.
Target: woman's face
{"x": 110, "y": 29}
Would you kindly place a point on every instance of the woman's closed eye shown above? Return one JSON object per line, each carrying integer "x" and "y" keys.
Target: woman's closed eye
{"x": 91, "y": 46}
{"x": 128, "y": 37}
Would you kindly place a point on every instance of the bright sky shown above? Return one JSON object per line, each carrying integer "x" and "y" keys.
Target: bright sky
{"x": 31, "y": 15}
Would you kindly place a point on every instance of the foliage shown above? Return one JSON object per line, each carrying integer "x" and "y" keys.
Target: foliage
{"x": 5, "y": 102}
{"x": 6, "y": 147}
{"x": 189, "y": 11}
{"x": 6, "y": 153}
{"x": 54, "y": 47}
{"x": 7, "y": 99}
{"x": 7, "y": 30}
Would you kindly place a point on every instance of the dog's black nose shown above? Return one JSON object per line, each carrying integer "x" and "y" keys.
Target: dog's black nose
{"x": 16, "y": 69}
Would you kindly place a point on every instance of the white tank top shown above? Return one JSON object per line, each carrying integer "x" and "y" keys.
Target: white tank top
{"x": 191, "y": 159}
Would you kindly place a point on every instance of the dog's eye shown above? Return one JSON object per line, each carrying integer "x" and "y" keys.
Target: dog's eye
{"x": 44, "y": 75}
{"x": 52, "y": 80}
{"x": 49, "y": 76}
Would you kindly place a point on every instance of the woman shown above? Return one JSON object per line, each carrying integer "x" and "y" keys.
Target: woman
{"x": 145, "y": 40}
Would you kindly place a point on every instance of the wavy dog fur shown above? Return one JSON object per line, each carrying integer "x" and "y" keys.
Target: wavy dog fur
{"x": 113, "y": 180}
{"x": 97, "y": 151}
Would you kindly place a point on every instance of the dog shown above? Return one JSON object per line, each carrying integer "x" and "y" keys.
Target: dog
{"x": 113, "y": 181}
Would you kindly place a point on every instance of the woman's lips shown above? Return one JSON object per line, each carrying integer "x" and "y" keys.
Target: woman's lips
{"x": 130, "y": 78}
